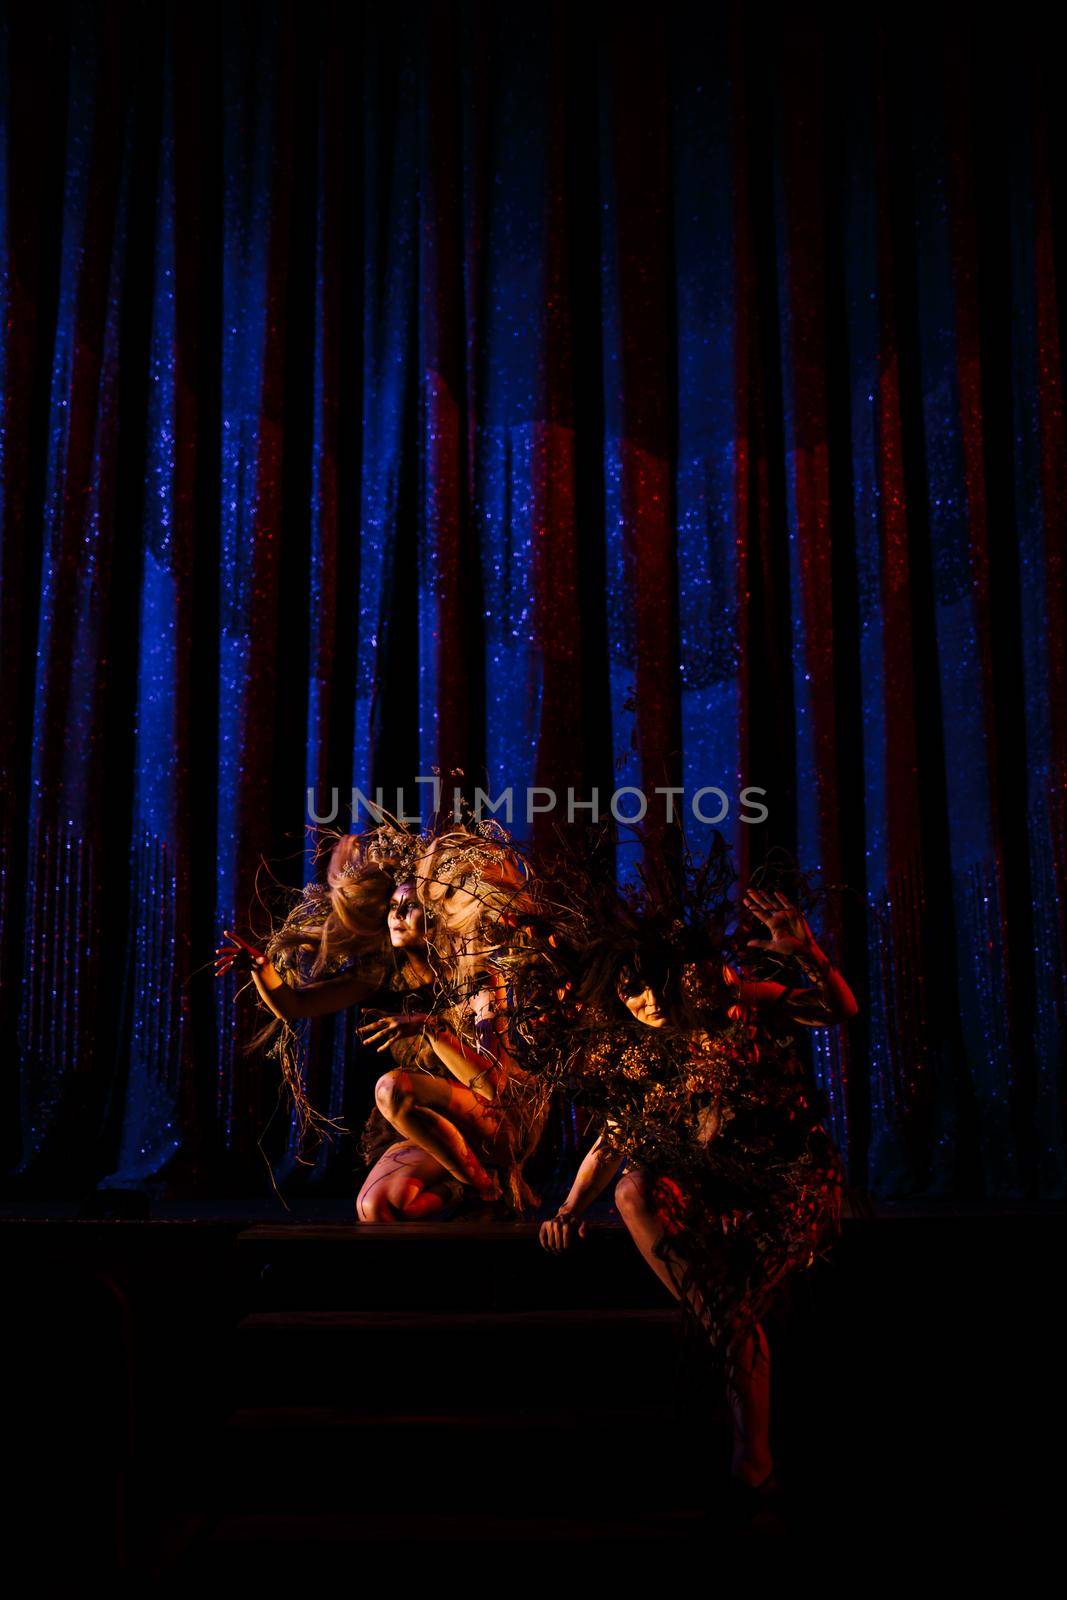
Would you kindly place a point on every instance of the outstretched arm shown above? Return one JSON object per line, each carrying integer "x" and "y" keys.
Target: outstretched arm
{"x": 285, "y": 1000}
{"x": 829, "y": 998}
{"x": 310, "y": 999}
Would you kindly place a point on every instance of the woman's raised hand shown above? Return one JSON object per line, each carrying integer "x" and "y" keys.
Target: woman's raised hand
{"x": 557, "y": 1233}
{"x": 383, "y": 1030}
{"x": 228, "y": 954}
{"x": 831, "y": 999}
{"x": 789, "y": 933}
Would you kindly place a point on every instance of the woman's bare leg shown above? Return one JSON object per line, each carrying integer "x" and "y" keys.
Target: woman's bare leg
{"x": 445, "y": 1119}
{"x": 643, "y": 1212}
{"x": 750, "y": 1403}
{"x": 404, "y": 1185}
{"x": 646, "y": 1226}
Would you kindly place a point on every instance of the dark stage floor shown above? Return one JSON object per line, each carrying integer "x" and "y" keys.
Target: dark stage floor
{"x": 233, "y": 1389}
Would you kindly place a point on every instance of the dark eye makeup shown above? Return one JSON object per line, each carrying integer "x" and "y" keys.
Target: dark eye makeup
{"x": 631, "y": 982}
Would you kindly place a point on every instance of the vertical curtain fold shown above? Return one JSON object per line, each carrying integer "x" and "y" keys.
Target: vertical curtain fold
{"x": 1040, "y": 506}
{"x": 711, "y": 463}
{"x": 951, "y": 374}
{"x": 155, "y": 1035}
{"x": 57, "y": 1032}
{"x": 257, "y": 179}
{"x": 801, "y": 224}
{"x": 390, "y": 267}
{"x": 638, "y": 414}
{"x": 899, "y": 1065}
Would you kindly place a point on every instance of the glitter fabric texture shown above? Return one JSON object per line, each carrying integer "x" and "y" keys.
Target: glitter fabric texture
{"x": 568, "y": 398}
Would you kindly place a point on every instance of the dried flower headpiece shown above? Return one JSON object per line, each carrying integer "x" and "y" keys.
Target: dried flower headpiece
{"x": 461, "y": 848}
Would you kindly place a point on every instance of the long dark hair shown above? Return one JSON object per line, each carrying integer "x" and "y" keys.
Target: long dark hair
{"x": 666, "y": 930}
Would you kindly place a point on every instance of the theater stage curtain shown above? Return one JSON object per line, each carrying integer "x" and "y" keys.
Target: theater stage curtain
{"x": 572, "y": 395}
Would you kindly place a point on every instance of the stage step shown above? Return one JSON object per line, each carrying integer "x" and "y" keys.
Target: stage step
{"x": 446, "y": 1265}
{"x": 498, "y": 1461}
{"x": 377, "y": 1361}
{"x": 906, "y": 1325}
{"x": 249, "y": 1546}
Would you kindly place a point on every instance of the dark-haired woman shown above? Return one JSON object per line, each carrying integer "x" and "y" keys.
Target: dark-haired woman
{"x": 731, "y": 1181}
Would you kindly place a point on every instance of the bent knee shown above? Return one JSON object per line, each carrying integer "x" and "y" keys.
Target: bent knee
{"x": 631, "y": 1195}
{"x": 374, "y": 1207}
{"x": 392, "y": 1093}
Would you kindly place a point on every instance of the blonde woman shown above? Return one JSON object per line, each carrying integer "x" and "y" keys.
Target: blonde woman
{"x": 453, "y": 1118}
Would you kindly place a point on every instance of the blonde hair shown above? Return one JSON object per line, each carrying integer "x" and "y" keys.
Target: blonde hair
{"x": 341, "y": 920}
{"x": 474, "y": 891}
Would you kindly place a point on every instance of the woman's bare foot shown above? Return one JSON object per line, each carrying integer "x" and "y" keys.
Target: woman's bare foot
{"x": 491, "y": 1192}
{"x": 753, "y": 1471}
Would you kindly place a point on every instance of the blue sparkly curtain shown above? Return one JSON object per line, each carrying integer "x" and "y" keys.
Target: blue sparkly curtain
{"x": 569, "y": 397}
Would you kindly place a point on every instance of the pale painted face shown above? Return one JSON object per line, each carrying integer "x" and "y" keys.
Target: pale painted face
{"x": 643, "y": 1005}
{"x": 407, "y": 928}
